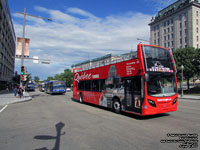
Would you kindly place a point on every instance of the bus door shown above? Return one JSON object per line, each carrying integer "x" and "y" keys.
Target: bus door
{"x": 133, "y": 94}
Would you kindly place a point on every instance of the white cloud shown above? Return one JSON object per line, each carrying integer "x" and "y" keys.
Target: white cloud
{"x": 80, "y": 12}
{"x": 76, "y": 35}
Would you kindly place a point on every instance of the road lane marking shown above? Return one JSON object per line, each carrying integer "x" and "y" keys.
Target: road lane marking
{"x": 3, "y": 108}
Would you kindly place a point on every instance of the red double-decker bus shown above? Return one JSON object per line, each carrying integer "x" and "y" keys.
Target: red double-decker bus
{"x": 143, "y": 82}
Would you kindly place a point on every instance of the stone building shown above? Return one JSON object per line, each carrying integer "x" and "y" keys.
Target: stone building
{"x": 177, "y": 26}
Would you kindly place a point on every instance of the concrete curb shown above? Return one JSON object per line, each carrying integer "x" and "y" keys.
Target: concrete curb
{"x": 22, "y": 100}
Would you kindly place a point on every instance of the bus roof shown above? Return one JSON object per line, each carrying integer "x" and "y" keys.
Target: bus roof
{"x": 112, "y": 57}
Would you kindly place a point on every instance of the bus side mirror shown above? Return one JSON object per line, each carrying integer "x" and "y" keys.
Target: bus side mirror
{"x": 146, "y": 77}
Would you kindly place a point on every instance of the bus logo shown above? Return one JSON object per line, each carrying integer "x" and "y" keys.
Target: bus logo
{"x": 84, "y": 76}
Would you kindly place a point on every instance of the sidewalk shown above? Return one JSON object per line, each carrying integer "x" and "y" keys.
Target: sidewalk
{"x": 8, "y": 98}
{"x": 189, "y": 96}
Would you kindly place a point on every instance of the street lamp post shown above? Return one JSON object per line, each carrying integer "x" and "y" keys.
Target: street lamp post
{"x": 182, "y": 67}
{"x": 143, "y": 40}
{"x": 23, "y": 35}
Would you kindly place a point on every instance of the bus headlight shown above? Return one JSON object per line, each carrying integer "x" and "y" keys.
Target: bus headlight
{"x": 152, "y": 103}
{"x": 174, "y": 101}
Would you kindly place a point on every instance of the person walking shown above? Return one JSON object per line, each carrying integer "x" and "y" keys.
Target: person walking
{"x": 15, "y": 91}
{"x": 20, "y": 92}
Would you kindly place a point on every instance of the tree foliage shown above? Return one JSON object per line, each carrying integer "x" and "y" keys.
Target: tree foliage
{"x": 197, "y": 61}
{"x": 36, "y": 79}
{"x": 50, "y": 78}
{"x": 66, "y": 76}
{"x": 186, "y": 57}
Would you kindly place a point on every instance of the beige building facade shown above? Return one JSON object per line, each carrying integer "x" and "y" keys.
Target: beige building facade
{"x": 177, "y": 26}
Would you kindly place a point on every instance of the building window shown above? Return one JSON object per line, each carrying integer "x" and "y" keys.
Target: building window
{"x": 181, "y": 41}
{"x": 165, "y": 45}
{"x": 164, "y": 31}
{"x": 185, "y": 23}
{"x": 180, "y": 25}
{"x": 168, "y": 30}
{"x": 168, "y": 22}
{"x": 172, "y": 43}
{"x": 168, "y": 37}
{"x": 197, "y": 13}
{"x": 197, "y": 21}
{"x": 185, "y": 39}
{"x": 180, "y": 33}
{"x": 172, "y": 21}
{"x": 168, "y": 44}
{"x": 185, "y": 31}
{"x": 165, "y": 38}
{"x": 164, "y": 24}
{"x": 197, "y": 30}
{"x": 172, "y": 35}
{"x": 197, "y": 38}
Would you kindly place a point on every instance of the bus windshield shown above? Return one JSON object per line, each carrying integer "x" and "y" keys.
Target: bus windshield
{"x": 161, "y": 84}
{"x": 30, "y": 85}
{"x": 58, "y": 85}
{"x": 157, "y": 59}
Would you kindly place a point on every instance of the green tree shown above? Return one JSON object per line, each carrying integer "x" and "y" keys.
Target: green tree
{"x": 28, "y": 78}
{"x": 67, "y": 76}
{"x": 58, "y": 77}
{"x": 197, "y": 61}
{"x": 50, "y": 78}
{"x": 185, "y": 57}
{"x": 36, "y": 79}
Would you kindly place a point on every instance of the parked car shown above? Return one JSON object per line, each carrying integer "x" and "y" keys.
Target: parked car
{"x": 68, "y": 89}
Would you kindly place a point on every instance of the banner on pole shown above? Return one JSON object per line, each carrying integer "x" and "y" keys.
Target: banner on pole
{"x": 19, "y": 47}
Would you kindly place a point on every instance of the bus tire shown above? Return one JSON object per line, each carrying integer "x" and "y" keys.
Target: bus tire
{"x": 80, "y": 98}
{"x": 116, "y": 107}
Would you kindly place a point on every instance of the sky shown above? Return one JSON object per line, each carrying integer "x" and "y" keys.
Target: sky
{"x": 81, "y": 30}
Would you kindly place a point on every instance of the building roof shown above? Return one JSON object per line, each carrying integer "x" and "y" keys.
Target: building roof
{"x": 173, "y": 8}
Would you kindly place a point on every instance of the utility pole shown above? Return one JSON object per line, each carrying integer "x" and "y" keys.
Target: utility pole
{"x": 182, "y": 67}
{"x": 23, "y": 36}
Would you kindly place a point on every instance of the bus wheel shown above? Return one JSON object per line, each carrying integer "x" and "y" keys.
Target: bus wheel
{"x": 116, "y": 106}
{"x": 80, "y": 98}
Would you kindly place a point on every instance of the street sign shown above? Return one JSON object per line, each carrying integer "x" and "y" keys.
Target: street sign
{"x": 45, "y": 62}
{"x": 35, "y": 59}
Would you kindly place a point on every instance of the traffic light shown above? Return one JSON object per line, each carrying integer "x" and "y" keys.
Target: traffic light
{"x": 22, "y": 70}
{"x": 21, "y": 77}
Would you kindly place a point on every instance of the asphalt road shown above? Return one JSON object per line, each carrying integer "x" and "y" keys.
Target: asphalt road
{"x": 57, "y": 122}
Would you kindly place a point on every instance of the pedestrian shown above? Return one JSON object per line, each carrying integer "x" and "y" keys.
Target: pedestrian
{"x": 15, "y": 91}
{"x": 7, "y": 88}
{"x": 20, "y": 92}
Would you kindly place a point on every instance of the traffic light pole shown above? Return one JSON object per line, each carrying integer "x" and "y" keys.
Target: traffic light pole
{"x": 23, "y": 36}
